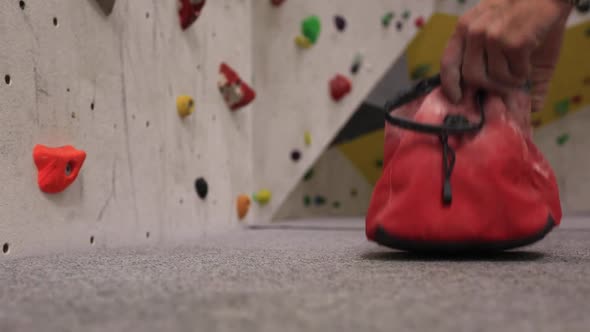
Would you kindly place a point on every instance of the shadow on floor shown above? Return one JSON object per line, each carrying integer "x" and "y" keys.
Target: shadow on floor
{"x": 506, "y": 256}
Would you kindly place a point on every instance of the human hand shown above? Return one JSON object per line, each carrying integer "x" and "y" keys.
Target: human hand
{"x": 500, "y": 45}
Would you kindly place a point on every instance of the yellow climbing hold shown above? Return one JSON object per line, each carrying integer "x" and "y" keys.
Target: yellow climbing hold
{"x": 262, "y": 196}
{"x": 303, "y": 42}
{"x": 307, "y": 138}
{"x": 185, "y": 105}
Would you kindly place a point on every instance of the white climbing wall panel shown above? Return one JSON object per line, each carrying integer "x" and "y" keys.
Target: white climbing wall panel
{"x": 108, "y": 85}
{"x": 292, "y": 83}
{"x": 336, "y": 189}
{"x": 571, "y": 161}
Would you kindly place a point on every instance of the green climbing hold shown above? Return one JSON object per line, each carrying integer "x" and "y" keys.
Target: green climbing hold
{"x": 336, "y": 204}
{"x": 562, "y": 139}
{"x": 562, "y": 107}
{"x": 311, "y": 27}
{"x": 386, "y": 19}
{"x": 308, "y": 175}
{"x": 307, "y": 200}
{"x": 406, "y": 15}
{"x": 420, "y": 71}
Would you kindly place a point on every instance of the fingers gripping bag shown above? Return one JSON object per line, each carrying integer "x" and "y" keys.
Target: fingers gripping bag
{"x": 461, "y": 177}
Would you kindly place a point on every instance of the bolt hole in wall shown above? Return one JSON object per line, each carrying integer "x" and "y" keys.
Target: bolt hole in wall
{"x": 147, "y": 235}
{"x": 69, "y": 168}
{"x": 92, "y": 240}
{"x": 5, "y": 248}
{"x": 55, "y": 23}
{"x": 7, "y": 79}
{"x": 295, "y": 155}
{"x": 21, "y": 4}
{"x": 92, "y": 106}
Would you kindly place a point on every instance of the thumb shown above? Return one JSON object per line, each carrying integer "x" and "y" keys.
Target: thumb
{"x": 518, "y": 104}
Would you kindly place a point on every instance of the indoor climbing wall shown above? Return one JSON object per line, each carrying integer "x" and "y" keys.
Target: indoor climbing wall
{"x": 314, "y": 64}
{"x": 341, "y": 181}
{"x": 132, "y": 87}
{"x": 130, "y": 123}
{"x": 355, "y": 156}
{"x": 332, "y": 187}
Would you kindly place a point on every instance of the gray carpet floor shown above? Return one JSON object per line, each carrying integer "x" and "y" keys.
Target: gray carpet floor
{"x": 305, "y": 276}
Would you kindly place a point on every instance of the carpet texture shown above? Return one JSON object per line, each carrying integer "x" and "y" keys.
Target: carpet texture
{"x": 301, "y": 276}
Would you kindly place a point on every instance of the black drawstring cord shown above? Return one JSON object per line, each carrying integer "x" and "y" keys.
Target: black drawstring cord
{"x": 454, "y": 124}
{"x": 448, "y": 164}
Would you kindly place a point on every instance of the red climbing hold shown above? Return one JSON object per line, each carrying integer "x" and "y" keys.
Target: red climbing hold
{"x": 57, "y": 167}
{"x": 419, "y": 22}
{"x": 277, "y": 2}
{"x": 577, "y": 99}
{"x": 236, "y": 93}
{"x": 189, "y": 11}
{"x": 340, "y": 86}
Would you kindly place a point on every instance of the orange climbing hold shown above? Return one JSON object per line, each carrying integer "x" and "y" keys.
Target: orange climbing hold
{"x": 340, "y": 86}
{"x": 236, "y": 93}
{"x": 57, "y": 167}
{"x": 189, "y": 11}
{"x": 243, "y": 205}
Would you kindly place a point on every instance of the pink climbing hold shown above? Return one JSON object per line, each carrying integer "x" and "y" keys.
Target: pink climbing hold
{"x": 419, "y": 22}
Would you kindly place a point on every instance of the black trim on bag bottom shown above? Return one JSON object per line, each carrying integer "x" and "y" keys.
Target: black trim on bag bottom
{"x": 393, "y": 242}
